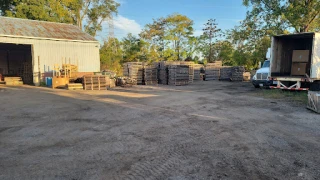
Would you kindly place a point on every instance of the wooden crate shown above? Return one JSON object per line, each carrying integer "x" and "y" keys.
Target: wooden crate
{"x": 314, "y": 101}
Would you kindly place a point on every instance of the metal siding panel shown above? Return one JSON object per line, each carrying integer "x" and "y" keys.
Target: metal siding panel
{"x": 315, "y": 59}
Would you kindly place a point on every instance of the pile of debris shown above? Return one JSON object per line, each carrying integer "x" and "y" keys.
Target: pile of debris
{"x": 178, "y": 75}
{"x": 125, "y": 81}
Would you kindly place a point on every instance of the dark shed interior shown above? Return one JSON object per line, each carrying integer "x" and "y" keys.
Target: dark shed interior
{"x": 16, "y": 60}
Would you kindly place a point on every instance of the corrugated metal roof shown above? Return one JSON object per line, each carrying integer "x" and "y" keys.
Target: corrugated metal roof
{"x": 41, "y": 29}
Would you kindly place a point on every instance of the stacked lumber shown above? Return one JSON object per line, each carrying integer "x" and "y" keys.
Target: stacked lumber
{"x": 150, "y": 75}
{"x": 197, "y": 71}
{"x": 212, "y": 71}
{"x": 178, "y": 75}
{"x": 74, "y": 86}
{"x": 191, "y": 69}
{"x": 226, "y": 73}
{"x": 13, "y": 81}
{"x": 135, "y": 71}
{"x": 237, "y": 73}
{"x": 96, "y": 82}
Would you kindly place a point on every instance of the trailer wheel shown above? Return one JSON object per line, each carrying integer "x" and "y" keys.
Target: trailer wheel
{"x": 315, "y": 86}
{"x": 256, "y": 86}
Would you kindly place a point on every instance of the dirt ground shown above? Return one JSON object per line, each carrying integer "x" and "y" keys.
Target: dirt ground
{"x": 207, "y": 130}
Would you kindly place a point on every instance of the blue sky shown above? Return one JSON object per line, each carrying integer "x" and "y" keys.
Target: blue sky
{"x": 135, "y": 14}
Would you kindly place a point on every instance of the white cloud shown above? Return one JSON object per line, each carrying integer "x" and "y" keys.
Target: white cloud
{"x": 123, "y": 26}
{"x": 197, "y": 32}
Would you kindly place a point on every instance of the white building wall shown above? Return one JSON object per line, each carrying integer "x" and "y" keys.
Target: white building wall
{"x": 51, "y": 52}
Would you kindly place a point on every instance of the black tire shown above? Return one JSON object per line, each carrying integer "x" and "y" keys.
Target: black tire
{"x": 256, "y": 86}
{"x": 315, "y": 86}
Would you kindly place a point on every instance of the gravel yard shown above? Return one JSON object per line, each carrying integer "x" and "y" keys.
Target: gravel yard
{"x": 206, "y": 130}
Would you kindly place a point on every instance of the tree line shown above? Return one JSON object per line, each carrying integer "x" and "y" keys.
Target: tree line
{"x": 172, "y": 37}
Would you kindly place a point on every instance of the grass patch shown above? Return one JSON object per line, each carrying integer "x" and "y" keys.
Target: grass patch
{"x": 292, "y": 96}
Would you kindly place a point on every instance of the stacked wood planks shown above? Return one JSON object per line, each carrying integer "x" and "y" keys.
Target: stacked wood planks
{"x": 13, "y": 81}
{"x": 135, "y": 71}
{"x": 212, "y": 71}
{"x": 150, "y": 75}
{"x": 96, "y": 82}
{"x": 178, "y": 75}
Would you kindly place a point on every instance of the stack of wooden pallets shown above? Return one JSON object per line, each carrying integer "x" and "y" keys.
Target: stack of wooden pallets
{"x": 164, "y": 72}
{"x": 150, "y": 75}
{"x": 197, "y": 71}
{"x": 27, "y": 76}
{"x": 226, "y": 73}
{"x": 212, "y": 71}
{"x": 178, "y": 75}
{"x": 191, "y": 69}
{"x": 237, "y": 73}
{"x": 13, "y": 81}
{"x": 135, "y": 71}
{"x": 96, "y": 82}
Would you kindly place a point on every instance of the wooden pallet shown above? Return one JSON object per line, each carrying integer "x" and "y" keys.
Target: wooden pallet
{"x": 314, "y": 101}
{"x": 75, "y": 86}
{"x": 96, "y": 82}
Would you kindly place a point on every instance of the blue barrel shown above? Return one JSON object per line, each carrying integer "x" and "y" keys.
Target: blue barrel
{"x": 49, "y": 81}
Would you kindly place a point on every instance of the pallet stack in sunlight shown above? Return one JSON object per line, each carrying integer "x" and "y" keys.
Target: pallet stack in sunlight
{"x": 178, "y": 75}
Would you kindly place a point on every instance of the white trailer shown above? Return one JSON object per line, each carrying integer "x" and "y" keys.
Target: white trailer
{"x": 295, "y": 61}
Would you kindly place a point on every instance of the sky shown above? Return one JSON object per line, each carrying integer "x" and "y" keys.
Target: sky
{"x": 133, "y": 15}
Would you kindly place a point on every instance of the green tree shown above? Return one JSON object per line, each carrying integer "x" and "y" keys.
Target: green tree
{"x": 92, "y": 13}
{"x": 45, "y": 10}
{"x": 169, "y": 35}
{"x": 87, "y": 14}
{"x": 111, "y": 55}
{"x": 179, "y": 30}
{"x": 302, "y": 15}
{"x": 135, "y": 49}
{"x": 210, "y": 32}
